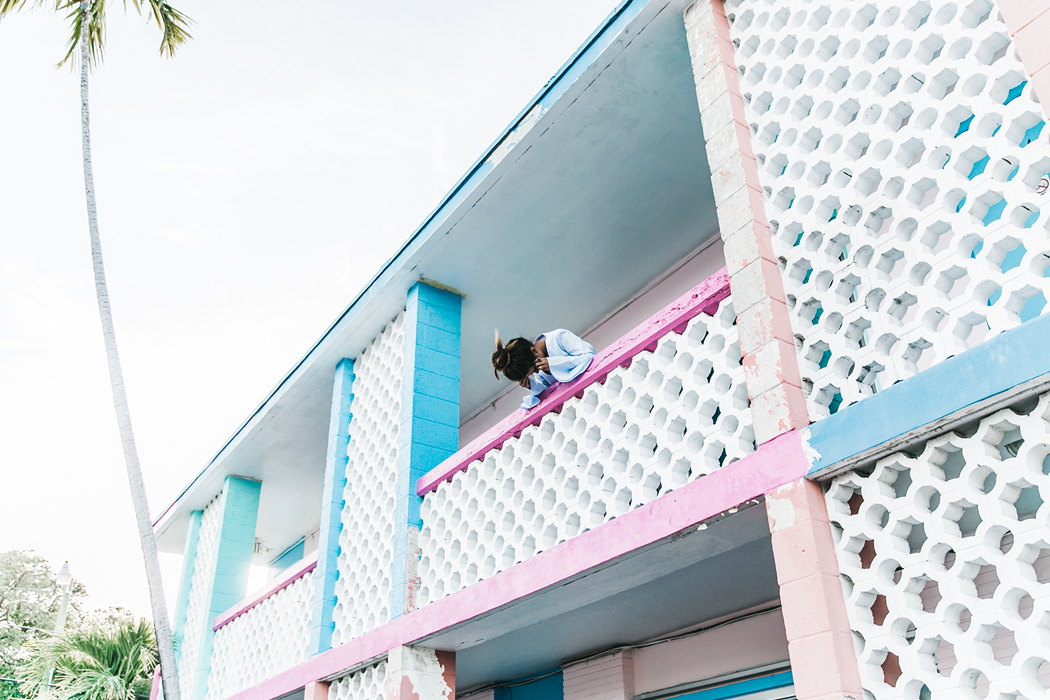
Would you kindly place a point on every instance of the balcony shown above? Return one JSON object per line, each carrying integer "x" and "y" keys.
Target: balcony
{"x": 662, "y": 407}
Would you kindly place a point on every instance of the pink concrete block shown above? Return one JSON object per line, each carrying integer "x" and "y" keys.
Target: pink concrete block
{"x": 825, "y": 664}
{"x": 725, "y": 45}
{"x": 735, "y": 213}
{"x": 1019, "y": 13}
{"x": 802, "y": 550}
{"x": 1033, "y": 44}
{"x": 771, "y": 365}
{"x": 316, "y": 690}
{"x": 813, "y": 605}
{"x": 722, "y": 25}
{"x": 763, "y": 323}
{"x": 746, "y": 245}
{"x": 1041, "y": 85}
{"x": 807, "y": 499}
{"x": 778, "y": 411}
{"x": 755, "y": 283}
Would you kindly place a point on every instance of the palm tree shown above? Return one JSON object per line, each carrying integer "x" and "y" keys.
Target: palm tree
{"x": 87, "y": 39}
{"x": 110, "y": 661}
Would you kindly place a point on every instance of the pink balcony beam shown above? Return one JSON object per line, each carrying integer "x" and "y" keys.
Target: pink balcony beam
{"x": 781, "y": 460}
{"x": 705, "y": 298}
{"x": 304, "y": 567}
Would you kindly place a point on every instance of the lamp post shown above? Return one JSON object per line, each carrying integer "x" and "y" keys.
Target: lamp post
{"x": 65, "y": 581}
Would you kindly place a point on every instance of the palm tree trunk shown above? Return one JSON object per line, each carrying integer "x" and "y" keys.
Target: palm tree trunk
{"x": 120, "y": 400}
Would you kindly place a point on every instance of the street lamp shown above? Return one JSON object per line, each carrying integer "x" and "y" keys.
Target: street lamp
{"x": 65, "y": 581}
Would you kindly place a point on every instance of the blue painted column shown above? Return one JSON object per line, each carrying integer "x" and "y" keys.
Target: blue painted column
{"x": 189, "y": 560}
{"x": 239, "y": 508}
{"x": 429, "y": 430}
{"x": 321, "y": 623}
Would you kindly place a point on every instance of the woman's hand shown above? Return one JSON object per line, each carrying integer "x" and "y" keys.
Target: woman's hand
{"x": 543, "y": 365}
{"x": 524, "y": 383}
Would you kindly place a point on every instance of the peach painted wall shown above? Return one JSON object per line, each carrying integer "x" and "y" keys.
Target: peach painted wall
{"x": 754, "y": 642}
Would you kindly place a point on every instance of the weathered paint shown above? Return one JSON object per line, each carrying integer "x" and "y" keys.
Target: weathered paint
{"x": 305, "y": 567}
{"x": 775, "y": 463}
{"x": 703, "y": 298}
{"x": 239, "y": 504}
{"x": 609, "y": 677}
{"x": 418, "y": 673}
{"x": 317, "y": 690}
{"x": 322, "y": 624}
{"x": 820, "y": 643}
{"x": 999, "y": 369}
{"x": 774, "y": 383}
{"x": 1029, "y": 25}
{"x": 429, "y": 428}
{"x": 189, "y": 561}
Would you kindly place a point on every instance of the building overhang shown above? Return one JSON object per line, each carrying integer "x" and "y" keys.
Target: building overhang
{"x": 599, "y": 186}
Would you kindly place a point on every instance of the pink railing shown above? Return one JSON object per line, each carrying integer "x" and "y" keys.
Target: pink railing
{"x": 703, "y": 298}
{"x": 305, "y": 566}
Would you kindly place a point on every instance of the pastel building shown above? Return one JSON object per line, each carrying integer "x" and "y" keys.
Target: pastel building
{"x": 810, "y": 242}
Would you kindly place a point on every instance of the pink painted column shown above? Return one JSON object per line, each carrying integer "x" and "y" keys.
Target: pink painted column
{"x": 418, "y": 673}
{"x": 820, "y": 643}
{"x": 609, "y": 677}
{"x": 774, "y": 383}
{"x": 316, "y": 690}
{"x": 1029, "y": 25}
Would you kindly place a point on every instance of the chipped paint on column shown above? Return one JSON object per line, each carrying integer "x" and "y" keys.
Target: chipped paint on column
{"x": 820, "y": 643}
{"x": 416, "y": 673}
{"x": 412, "y": 580}
{"x": 774, "y": 382}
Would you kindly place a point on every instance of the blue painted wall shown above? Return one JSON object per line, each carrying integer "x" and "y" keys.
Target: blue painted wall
{"x": 429, "y": 430}
{"x": 189, "y": 560}
{"x": 321, "y": 622}
{"x": 997, "y": 365}
{"x": 239, "y": 508}
{"x": 549, "y": 688}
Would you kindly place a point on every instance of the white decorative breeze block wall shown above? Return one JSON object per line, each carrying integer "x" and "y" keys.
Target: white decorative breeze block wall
{"x": 197, "y": 608}
{"x": 670, "y": 417}
{"x": 366, "y": 684}
{"x": 270, "y": 638}
{"x": 945, "y": 560}
{"x": 367, "y": 540}
{"x": 900, "y": 150}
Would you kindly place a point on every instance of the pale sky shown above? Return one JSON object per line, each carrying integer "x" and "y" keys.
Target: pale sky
{"x": 247, "y": 190}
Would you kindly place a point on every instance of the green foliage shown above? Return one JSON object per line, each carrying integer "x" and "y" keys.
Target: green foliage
{"x": 109, "y": 660}
{"x": 29, "y": 602}
{"x": 174, "y": 25}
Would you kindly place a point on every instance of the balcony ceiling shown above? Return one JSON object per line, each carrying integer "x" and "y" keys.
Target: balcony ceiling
{"x": 596, "y": 190}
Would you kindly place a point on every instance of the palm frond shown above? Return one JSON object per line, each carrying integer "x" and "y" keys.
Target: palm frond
{"x": 96, "y": 30}
{"x": 174, "y": 26}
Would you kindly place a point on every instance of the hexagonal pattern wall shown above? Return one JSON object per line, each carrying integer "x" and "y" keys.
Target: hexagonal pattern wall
{"x": 901, "y": 152}
{"x": 367, "y": 540}
{"x": 268, "y": 639}
{"x": 366, "y": 684}
{"x": 197, "y": 609}
{"x": 668, "y": 418}
{"x": 945, "y": 562}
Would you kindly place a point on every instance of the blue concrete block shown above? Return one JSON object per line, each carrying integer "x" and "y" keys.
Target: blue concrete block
{"x": 440, "y": 340}
{"x": 436, "y": 410}
{"x": 439, "y": 363}
{"x": 189, "y": 560}
{"x": 327, "y": 572}
{"x": 436, "y": 385}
